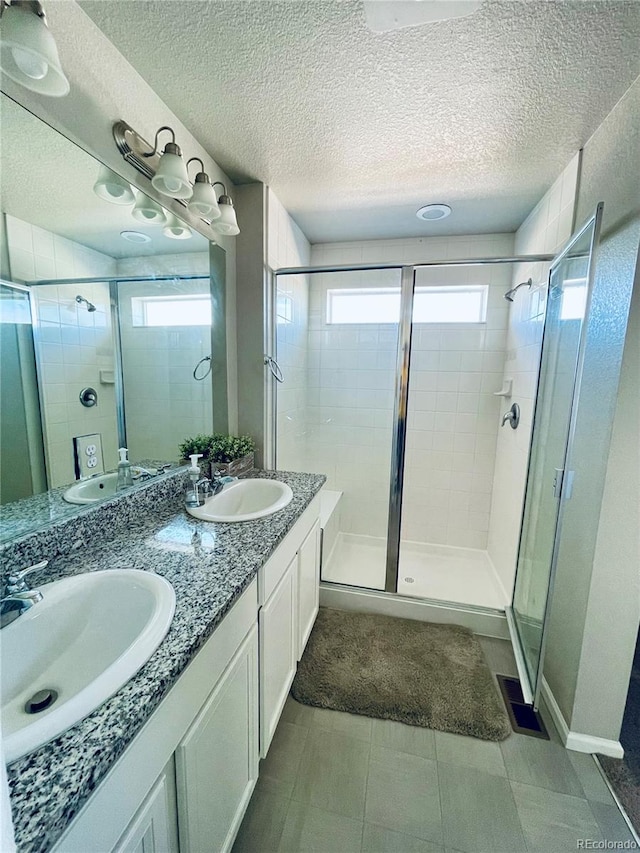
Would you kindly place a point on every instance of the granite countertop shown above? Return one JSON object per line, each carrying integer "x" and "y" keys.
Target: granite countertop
{"x": 50, "y": 785}
{"x": 25, "y": 516}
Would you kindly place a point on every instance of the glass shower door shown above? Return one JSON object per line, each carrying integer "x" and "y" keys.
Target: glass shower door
{"x": 336, "y": 348}
{"x": 549, "y": 478}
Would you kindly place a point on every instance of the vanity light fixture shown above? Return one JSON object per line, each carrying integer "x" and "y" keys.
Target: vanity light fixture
{"x": 171, "y": 176}
{"x": 226, "y": 223}
{"x": 147, "y": 210}
{"x": 112, "y": 187}
{"x": 175, "y": 229}
{"x": 168, "y": 174}
{"x": 203, "y": 202}
{"x": 28, "y": 52}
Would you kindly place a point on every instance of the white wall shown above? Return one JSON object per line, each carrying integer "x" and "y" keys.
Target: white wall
{"x": 73, "y": 345}
{"x": 288, "y": 247}
{"x": 596, "y": 605}
{"x": 544, "y": 231}
{"x": 453, "y": 415}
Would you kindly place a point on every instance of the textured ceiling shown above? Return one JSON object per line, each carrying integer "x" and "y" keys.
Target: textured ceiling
{"x": 354, "y": 130}
{"x": 48, "y": 181}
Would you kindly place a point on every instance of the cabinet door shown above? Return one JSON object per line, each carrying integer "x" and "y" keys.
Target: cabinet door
{"x": 308, "y": 586}
{"x": 154, "y": 829}
{"x": 277, "y": 626}
{"x": 217, "y": 762}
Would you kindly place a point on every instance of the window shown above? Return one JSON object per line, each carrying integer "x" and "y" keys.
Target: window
{"x": 574, "y": 299}
{"x": 438, "y": 304}
{"x": 191, "y": 310}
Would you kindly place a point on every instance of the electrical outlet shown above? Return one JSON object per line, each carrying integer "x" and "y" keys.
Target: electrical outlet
{"x": 87, "y": 451}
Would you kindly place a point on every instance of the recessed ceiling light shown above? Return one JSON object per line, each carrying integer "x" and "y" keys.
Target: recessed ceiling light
{"x": 135, "y": 236}
{"x": 431, "y": 212}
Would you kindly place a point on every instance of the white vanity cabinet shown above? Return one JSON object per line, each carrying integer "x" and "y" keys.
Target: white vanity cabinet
{"x": 277, "y": 626}
{"x": 288, "y": 592}
{"x": 217, "y": 761}
{"x": 184, "y": 782}
{"x": 209, "y": 721}
{"x": 154, "y": 829}
{"x": 308, "y": 586}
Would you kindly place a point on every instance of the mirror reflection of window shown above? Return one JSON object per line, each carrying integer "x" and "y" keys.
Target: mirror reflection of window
{"x": 75, "y": 251}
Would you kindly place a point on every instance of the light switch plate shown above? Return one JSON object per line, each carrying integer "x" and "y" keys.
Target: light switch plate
{"x": 87, "y": 451}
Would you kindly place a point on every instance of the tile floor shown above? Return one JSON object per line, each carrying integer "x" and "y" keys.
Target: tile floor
{"x": 338, "y": 782}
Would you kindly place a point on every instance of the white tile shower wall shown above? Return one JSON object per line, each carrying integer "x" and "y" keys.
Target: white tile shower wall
{"x": 453, "y": 415}
{"x": 288, "y": 247}
{"x": 164, "y": 404}
{"x": 546, "y": 228}
{"x": 73, "y": 344}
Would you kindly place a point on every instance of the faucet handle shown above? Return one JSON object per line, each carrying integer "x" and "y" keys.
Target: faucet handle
{"x": 16, "y": 580}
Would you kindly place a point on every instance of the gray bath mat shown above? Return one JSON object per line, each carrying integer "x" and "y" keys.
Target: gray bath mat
{"x": 417, "y": 673}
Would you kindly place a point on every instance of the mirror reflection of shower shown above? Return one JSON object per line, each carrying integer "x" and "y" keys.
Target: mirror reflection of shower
{"x": 511, "y": 293}
{"x": 90, "y": 306}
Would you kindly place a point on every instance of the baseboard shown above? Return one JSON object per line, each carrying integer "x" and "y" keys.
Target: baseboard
{"x": 488, "y": 623}
{"x": 575, "y": 740}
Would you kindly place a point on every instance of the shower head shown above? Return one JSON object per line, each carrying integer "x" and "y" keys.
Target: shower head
{"x": 511, "y": 293}
{"x": 90, "y": 306}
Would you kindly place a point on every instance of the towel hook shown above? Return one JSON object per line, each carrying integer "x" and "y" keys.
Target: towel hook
{"x": 274, "y": 367}
{"x": 207, "y": 358}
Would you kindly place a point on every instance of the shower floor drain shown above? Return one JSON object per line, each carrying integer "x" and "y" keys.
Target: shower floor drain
{"x": 409, "y": 580}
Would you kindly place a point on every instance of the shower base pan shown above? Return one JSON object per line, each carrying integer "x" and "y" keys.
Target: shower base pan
{"x": 439, "y": 572}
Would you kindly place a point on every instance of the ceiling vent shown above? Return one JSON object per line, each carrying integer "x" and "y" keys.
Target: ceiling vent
{"x": 385, "y": 15}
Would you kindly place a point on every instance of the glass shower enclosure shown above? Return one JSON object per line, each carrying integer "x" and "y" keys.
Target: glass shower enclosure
{"x": 390, "y": 375}
{"x": 550, "y": 478}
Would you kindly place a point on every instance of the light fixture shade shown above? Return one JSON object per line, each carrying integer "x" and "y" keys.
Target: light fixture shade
{"x": 226, "y": 223}
{"x": 113, "y": 188}
{"x": 147, "y": 210}
{"x": 203, "y": 201}
{"x": 175, "y": 229}
{"x": 28, "y": 52}
{"x": 171, "y": 177}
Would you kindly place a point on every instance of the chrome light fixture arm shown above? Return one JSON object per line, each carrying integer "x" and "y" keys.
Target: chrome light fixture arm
{"x": 145, "y": 159}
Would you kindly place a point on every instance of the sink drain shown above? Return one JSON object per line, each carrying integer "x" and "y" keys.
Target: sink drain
{"x": 40, "y": 701}
{"x": 409, "y": 580}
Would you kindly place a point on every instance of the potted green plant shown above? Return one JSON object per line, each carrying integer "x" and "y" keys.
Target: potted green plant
{"x": 228, "y": 455}
{"x": 231, "y": 455}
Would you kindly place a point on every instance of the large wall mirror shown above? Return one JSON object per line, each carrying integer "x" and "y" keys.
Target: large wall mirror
{"x": 111, "y": 325}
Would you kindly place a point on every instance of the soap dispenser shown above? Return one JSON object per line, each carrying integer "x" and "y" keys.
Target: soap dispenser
{"x": 125, "y": 477}
{"x": 191, "y": 497}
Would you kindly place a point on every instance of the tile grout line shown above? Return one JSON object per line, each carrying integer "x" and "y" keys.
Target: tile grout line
{"x": 366, "y": 789}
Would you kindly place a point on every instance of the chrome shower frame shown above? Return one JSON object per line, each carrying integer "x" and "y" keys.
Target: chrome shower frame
{"x": 408, "y": 278}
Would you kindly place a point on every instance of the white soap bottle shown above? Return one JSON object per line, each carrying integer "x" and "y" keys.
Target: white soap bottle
{"x": 191, "y": 495}
{"x": 125, "y": 477}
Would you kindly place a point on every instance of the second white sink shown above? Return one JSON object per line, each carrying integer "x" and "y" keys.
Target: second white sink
{"x": 244, "y": 500}
{"x": 92, "y": 490}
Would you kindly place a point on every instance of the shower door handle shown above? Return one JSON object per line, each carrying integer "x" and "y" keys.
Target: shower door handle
{"x": 563, "y": 483}
{"x": 274, "y": 367}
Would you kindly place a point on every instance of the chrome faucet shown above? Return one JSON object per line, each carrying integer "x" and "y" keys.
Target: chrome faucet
{"x": 17, "y": 596}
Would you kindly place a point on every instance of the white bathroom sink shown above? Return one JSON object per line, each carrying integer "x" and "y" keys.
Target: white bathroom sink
{"x": 86, "y": 638}
{"x": 244, "y": 500}
{"x": 92, "y": 490}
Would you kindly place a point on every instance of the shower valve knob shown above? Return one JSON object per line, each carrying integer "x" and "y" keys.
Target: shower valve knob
{"x": 512, "y": 417}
